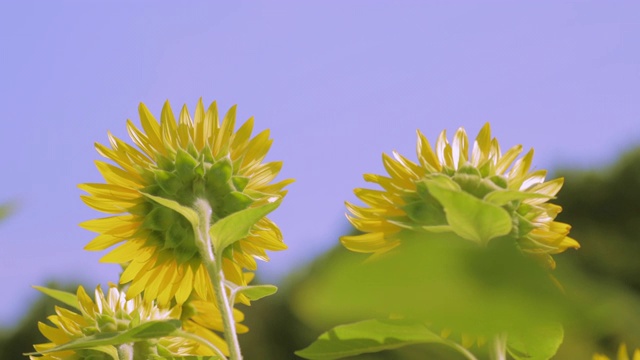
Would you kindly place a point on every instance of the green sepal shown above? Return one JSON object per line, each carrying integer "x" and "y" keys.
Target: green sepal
{"x": 185, "y": 211}
{"x": 236, "y": 226}
{"x": 470, "y": 217}
{"x": 159, "y": 218}
{"x": 168, "y": 181}
{"x": 145, "y": 331}
{"x": 240, "y": 182}
{"x": 185, "y": 164}
{"x": 62, "y": 296}
{"x": 535, "y": 343}
{"x": 175, "y": 235}
{"x": 219, "y": 174}
{"x": 367, "y": 337}
{"x": 235, "y": 201}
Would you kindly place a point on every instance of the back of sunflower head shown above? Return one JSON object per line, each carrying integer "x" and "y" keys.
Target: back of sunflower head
{"x": 187, "y": 207}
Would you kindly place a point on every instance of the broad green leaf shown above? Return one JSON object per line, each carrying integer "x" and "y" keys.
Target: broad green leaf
{"x": 237, "y": 226}
{"x": 470, "y": 217}
{"x": 62, "y": 296}
{"x": 535, "y": 343}
{"x": 502, "y": 197}
{"x": 440, "y": 278}
{"x": 185, "y": 211}
{"x": 257, "y": 292}
{"x": 366, "y": 337}
{"x": 144, "y": 331}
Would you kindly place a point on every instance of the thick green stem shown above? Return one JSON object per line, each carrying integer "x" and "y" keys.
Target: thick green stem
{"x": 498, "y": 350}
{"x": 217, "y": 278}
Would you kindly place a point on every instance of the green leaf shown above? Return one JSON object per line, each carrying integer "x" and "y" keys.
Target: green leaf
{"x": 535, "y": 343}
{"x": 502, "y": 197}
{"x": 470, "y": 217}
{"x": 440, "y": 278}
{"x": 62, "y": 296}
{"x": 237, "y": 226}
{"x": 153, "y": 329}
{"x": 257, "y": 292}
{"x": 144, "y": 331}
{"x": 185, "y": 211}
{"x": 366, "y": 337}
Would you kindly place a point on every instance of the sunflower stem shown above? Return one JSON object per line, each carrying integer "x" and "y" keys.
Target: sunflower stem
{"x": 214, "y": 268}
{"x": 498, "y": 350}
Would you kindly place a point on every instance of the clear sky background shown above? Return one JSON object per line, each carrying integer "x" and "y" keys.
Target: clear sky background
{"x": 337, "y": 82}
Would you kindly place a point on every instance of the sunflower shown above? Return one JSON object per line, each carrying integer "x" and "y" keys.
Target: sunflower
{"x": 182, "y": 160}
{"x": 406, "y": 202}
{"x": 622, "y": 354}
{"x": 113, "y": 312}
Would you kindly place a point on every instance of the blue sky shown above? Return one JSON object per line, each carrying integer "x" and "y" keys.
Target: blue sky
{"x": 337, "y": 82}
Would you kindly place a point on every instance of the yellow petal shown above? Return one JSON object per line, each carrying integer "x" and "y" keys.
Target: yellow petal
{"x": 222, "y": 140}
{"x": 53, "y": 334}
{"x": 257, "y": 149}
{"x": 481, "y": 146}
{"x": 102, "y": 242}
{"x": 116, "y": 176}
{"x": 460, "y": 148}
{"x": 199, "y": 135}
{"x": 241, "y": 138}
{"x": 426, "y": 156}
{"x": 186, "y": 285}
{"x": 151, "y": 128}
{"x": 168, "y": 126}
{"x": 505, "y": 161}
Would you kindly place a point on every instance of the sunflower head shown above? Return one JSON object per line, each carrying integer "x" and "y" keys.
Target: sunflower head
{"x": 623, "y": 354}
{"x": 109, "y": 313}
{"x": 182, "y": 160}
{"x": 477, "y": 195}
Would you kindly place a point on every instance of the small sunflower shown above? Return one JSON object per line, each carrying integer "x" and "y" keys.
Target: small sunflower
{"x": 113, "y": 312}
{"x": 181, "y": 160}
{"x": 405, "y": 203}
{"x": 623, "y": 354}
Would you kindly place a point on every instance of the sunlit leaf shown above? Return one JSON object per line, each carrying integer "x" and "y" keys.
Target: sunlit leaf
{"x": 237, "y": 226}
{"x": 256, "y": 292}
{"x": 535, "y": 343}
{"x": 366, "y": 337}
{"x": 446, "y": 281}
{"x": 185, "y": 211}
{"x": 470, "y": 217}
{"x": 144, "y": 331}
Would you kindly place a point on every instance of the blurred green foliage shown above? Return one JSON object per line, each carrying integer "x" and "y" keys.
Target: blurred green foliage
{"x": 5, "y": 210}
{"x": 601, "y": 282}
